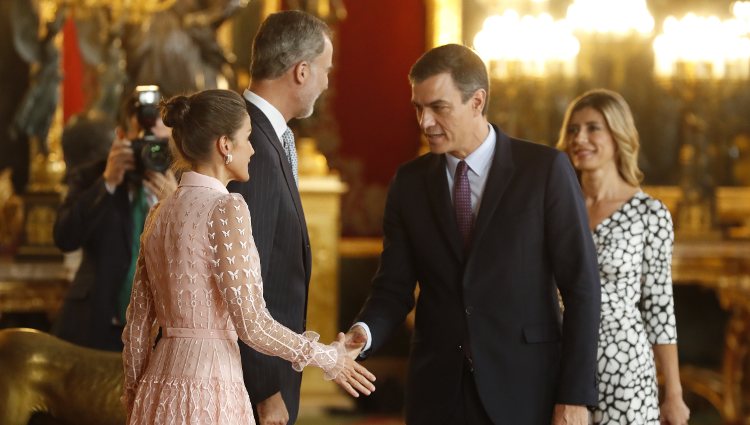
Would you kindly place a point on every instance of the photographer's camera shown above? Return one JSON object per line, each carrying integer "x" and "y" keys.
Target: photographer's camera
{"x": 151, "y": 152}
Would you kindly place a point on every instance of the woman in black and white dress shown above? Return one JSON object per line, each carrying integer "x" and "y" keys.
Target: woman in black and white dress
{"x": 633, "y": 234}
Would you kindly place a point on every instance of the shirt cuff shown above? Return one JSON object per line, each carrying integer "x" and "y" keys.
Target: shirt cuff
{"x": 367, "y": 331}
{"x": 110, "y": 189}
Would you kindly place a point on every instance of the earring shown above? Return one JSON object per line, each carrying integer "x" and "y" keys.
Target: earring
{"x": 228, "y": 159}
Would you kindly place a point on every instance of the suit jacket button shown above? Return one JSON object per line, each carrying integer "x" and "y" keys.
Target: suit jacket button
{"x": 469, "y": 310}
{"x": 460, "y": 347}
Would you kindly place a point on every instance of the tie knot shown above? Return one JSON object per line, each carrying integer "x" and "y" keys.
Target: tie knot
{"x": 462, "y": 169}
{"x": 287, "y": 136}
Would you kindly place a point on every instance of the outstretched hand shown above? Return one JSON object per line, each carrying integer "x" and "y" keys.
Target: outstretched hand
{"x": 356, "y": 339}
{"x": 354, "y": 378}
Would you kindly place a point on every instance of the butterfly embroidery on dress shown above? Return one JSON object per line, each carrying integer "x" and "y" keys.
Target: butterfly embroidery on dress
{"x": 230, "y": 260}
{"x": 234, "y": 274}
{"x": 228, "y": 246}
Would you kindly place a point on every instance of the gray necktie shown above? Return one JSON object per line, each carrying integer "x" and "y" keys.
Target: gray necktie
{"x": 287, "y": 140}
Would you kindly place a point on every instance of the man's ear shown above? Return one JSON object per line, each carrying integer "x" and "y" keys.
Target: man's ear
{"x": 478, "y": 100}
{"x": 301, "y": 71}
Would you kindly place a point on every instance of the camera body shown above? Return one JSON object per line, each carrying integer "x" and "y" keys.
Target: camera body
{"x": 150, "y": 152}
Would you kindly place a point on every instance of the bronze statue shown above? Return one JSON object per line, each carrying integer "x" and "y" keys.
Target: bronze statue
{"x": 178, "y": 49}
{"x": 37, "y": 109}
{"x": 42, "y": 374}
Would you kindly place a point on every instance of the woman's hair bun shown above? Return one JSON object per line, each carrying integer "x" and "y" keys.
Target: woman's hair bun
{"x": 175, "y": 111}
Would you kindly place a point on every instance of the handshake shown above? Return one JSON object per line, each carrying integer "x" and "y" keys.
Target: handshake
{"x": 354, "y": 378}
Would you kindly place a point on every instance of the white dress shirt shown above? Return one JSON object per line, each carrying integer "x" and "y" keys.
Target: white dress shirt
{"x": 479, "y": 163}
{"x": 277, "y": 120}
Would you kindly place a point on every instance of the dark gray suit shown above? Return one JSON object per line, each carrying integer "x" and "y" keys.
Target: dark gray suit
{"x": 101, "y": 224}
{"x": 499, "y": 298}
{"x": 280, "y": 233}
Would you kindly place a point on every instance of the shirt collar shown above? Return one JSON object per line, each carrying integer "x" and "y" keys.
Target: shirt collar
{"x": 191, "y": 178}
{"x": 478, "y": 161}
{"x": 274, "y": 116}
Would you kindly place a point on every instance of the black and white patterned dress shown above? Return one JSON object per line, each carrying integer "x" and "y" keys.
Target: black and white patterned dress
{"x": 634, "y": 247}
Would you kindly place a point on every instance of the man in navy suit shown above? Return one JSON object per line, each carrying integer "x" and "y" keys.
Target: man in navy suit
{"x": 291, "y": 58}
{"x": 491, "y": 227}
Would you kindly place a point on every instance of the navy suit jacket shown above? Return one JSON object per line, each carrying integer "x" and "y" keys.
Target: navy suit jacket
{"x": 530, "y": 238}
{"x": 280, "y": 233}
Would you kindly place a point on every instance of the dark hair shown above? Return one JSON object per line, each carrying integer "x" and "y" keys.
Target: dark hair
{"x": 465, "y": 67}
{"x": 285, "y": 39}
{"x": 198, "y": 120}
{"x": 128, "y": 109}
{"x": 87, "y": 138}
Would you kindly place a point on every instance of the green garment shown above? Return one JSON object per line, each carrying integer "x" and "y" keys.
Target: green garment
{"x": 138, "y": 209}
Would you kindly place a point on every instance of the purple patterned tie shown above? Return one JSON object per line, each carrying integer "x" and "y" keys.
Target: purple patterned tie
{"x": 462, "y": 201}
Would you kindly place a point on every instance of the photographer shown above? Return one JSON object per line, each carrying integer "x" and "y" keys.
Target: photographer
{"x": 103, "y": 214}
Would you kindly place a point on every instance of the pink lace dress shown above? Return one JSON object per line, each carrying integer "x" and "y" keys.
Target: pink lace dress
{"x": 198, "y": 278}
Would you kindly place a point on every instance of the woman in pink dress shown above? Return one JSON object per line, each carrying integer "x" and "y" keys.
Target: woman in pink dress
{"x": 198, "y": 278}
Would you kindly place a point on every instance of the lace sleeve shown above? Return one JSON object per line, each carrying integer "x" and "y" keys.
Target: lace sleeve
{"x": 236, "y": 271}
{"x": 138, "y": 335}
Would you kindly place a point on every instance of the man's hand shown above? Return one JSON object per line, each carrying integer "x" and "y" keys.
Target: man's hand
{"x": 272, "y": 411}
{"x": 119, "y": 160}
{"x": 161, "y": 185}
{"x": 354, "y": 378}
{"x": 355, "y": 341}
{"x": 567, "y": 414}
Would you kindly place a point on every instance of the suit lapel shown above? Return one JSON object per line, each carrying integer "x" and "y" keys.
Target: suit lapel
{"x": 261, "y": 123}
{"x": 440, "y": 198}
{"x": 501, "y": 173}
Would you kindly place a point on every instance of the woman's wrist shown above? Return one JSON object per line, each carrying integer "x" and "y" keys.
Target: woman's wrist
{"x": 674, "y": 393}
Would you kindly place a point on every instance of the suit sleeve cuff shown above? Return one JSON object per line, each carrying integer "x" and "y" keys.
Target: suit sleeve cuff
{"x": 367, "y": 332}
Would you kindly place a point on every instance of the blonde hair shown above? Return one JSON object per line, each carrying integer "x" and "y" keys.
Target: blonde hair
{"x": 620, "y": 123}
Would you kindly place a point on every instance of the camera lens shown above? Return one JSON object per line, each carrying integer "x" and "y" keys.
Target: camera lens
{"x": 155, "y": 155}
